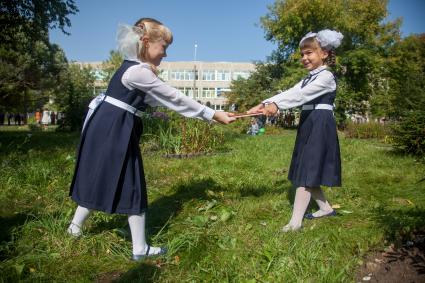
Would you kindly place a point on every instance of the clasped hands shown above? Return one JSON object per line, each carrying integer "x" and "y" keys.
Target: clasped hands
{"x": 227, "y": 117}
{"x": 269, "y": 109}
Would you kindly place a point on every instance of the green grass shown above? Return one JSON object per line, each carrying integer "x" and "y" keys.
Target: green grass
{"x": 219, "y": 215}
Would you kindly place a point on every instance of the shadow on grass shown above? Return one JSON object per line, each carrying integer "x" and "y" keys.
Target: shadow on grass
{"x": 40, "y": 141}
{"x": 162, "y": 209}
{"x": 279, "y": 187}
{"x": 400, "y": 224}
{"x": 7, "y": 226}
{"x": 165, "y": 207}
{"x": 143, "y": 272}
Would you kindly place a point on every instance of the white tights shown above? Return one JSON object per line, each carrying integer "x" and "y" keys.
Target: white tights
{"x": 137, "y": 228}
{"x": 302, "y": 199}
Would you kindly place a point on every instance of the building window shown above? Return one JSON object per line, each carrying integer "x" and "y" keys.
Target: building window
{"x": 240, "y": 74}
{"x": 188, "y": 91}
{"x": 176, "y": 75}
{"x": 223, "y": 75}
{"x": 188, "y": 75}
{"x": 182, "y": 75}
{"x": 208, "y": 75}
{"x": 208, "y": 92}
{"x": 221, "y": 91}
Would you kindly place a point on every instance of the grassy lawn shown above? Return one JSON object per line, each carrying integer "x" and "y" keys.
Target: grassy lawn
{"x": 219, "y": 215}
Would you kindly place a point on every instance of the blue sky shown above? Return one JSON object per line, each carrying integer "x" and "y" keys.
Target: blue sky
{"x": 224, "y": 30}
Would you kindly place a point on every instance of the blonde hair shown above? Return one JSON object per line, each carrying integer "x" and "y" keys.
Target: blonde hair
{"x": 313, "y": 43}
{"x": 154, "y": 30}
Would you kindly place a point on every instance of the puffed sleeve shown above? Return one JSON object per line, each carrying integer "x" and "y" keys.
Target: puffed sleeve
{"x": 297, "y": 96}
{"x": 159, "y": 93}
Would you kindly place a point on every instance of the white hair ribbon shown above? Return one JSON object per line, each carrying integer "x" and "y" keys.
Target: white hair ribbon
{"x": 328, "y": 39}
{"x": 127, "y": 40}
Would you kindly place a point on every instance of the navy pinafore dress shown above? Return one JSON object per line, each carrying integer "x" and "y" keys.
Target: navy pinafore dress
{"x": 109, "y": 173}
{"x": 316, "y": 158}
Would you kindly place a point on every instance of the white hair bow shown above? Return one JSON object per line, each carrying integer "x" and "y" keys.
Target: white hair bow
{"x": 127, "y": 40}
{"x": 328, "y": 39}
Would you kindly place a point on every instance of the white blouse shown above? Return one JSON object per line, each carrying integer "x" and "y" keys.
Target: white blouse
{"x": 322, "y": 81}
{"x": 159, "y": 93}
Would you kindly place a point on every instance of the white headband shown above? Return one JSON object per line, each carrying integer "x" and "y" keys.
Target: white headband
{"x": 328, "y": 39}
{"x": 127, "y": 40}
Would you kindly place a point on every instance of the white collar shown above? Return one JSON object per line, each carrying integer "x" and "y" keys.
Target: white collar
{"x": 317, "y": 70}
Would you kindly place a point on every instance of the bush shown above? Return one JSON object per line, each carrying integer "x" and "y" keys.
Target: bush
{"x": 172, "y": 134}
{"x": 409, "y": 133}
{"x": 369, "y": 130}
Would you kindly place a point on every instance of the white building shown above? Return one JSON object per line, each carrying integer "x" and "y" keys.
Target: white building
{"x": 205, "y": 82}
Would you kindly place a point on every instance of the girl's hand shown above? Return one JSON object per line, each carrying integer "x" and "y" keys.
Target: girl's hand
{"x": 270, "y": 109}
{"x": 256, "y": 109}
{"x": 223, "y": 117}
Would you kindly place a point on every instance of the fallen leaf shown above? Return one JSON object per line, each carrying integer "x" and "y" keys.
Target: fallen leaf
{"x": 225, "y": 215}
{"x": 336, "y": 206}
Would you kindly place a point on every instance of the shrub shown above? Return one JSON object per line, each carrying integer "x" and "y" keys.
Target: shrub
{"x": 409, "y": 133}
{"x": 173, "y": 134}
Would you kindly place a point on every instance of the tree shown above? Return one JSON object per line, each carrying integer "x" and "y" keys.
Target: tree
{"x": 111, "y": 65}
{"x": 360, "y": 57}
{"x": 29, "y": 63}
{"x": 406, "y": 75}
{"x": 260, "y": 85}
{"x": 75, "y": 95}
{"x": 406, "y": 80}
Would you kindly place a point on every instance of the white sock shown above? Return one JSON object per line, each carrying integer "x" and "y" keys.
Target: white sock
{"x": 80, "y": 216}
{"x": 302, "y": 199}
{"x": 138, "y": 236}
{"x": 324, "y": 206}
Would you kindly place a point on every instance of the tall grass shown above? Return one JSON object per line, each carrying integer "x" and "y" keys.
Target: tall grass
{"x": 369, "y": 130}
{"x": 177, "y": 135}
{"x": 219, "y": 215}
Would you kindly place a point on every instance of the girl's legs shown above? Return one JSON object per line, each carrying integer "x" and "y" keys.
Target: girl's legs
{"x": 138, "y": 236}
{"x": 324, "y": 206}
{"x": 302, "y": 199}
{"x": 80, "y": 216}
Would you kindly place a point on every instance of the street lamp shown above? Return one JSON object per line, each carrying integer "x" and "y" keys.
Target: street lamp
{"x": 194, "y": 72}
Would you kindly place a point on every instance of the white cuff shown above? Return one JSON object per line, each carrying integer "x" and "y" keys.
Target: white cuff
{"x": 208, "y": 113}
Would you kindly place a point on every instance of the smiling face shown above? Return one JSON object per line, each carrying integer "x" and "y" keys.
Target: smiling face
{"x": 155, "y": 51}
{"x": 312, "y": 55}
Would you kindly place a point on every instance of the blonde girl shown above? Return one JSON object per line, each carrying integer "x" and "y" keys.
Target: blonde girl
{"x": 109, "y": 172}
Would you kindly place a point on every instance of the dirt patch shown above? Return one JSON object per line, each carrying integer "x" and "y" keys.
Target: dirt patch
{"x": 405, "y": 263}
